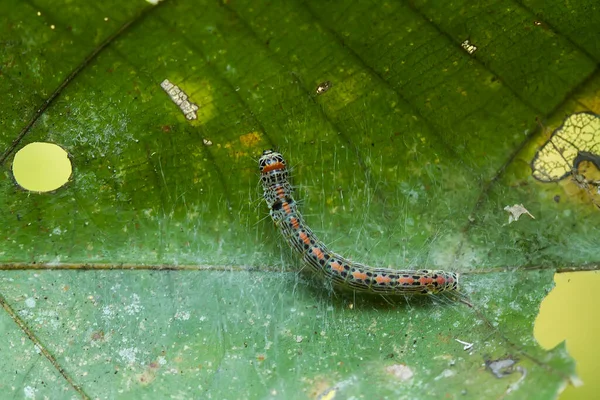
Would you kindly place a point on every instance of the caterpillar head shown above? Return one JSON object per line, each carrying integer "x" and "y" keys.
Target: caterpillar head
{"x": 271, "y": 161}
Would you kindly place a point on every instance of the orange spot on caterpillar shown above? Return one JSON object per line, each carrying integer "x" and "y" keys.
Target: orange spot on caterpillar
{"x": 318, "y": 253}
{"x": 336, "y": 266}
{"x": 280, "y": 192}
{"x": 359, "y": 275}
{"x": 406, "y": 281}
{"x": 441, "y": 280}
{"x": 304, "y": 237}
{"x": 286, "y": 208}
{"x": 273, "y": 167}
{"x": 382, "y": 279}
{"x": 425, "y": 280}
{"x": 295, "y": 223}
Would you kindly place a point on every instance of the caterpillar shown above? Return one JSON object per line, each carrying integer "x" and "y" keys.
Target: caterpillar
{"x": 342, "y": 272}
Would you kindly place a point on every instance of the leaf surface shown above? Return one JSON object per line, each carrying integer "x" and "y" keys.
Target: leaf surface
{"x": 155, "y": 271}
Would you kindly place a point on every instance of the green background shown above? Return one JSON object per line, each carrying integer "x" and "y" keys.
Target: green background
{"x": 156, "y": 272}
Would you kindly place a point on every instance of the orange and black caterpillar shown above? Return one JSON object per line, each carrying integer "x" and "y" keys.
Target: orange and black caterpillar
{"x": 342, "y": 272}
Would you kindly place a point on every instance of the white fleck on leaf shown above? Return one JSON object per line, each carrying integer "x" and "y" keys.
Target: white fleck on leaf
{"x": 129, "y": 354}
{"x": 516, "y": 211}
{"x": 29, "y": 392}
{"x": 30, "y": 302}
{"x": 135, "y": 306}
{"x": 323, "y": 87}
{"x": 466, "y": 345}
{"x": 400, "y": 371}
{"x": 468, "y": 46}
{"x": 180, "y": 98}
{"x": 182, "y": 315}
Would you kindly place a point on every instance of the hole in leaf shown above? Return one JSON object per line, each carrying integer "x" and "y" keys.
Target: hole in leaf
{"x": 41, "y": 167}
{"x": 570, "y": 313}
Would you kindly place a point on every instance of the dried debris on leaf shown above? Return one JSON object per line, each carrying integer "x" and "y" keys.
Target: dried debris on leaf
{"x": 516, "y": 211}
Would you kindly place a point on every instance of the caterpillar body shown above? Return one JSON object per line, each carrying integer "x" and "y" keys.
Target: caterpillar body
{"x": 342, "y": 272}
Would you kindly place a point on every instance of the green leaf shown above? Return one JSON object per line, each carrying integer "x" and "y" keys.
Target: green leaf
{"x": 155, "y": 271}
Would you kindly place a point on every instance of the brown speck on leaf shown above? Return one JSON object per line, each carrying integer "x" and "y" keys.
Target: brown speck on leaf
{"x": 146, "y": 377}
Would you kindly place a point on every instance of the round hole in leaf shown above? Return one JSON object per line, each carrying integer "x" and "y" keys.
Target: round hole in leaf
{"x": 41, "y": 167}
